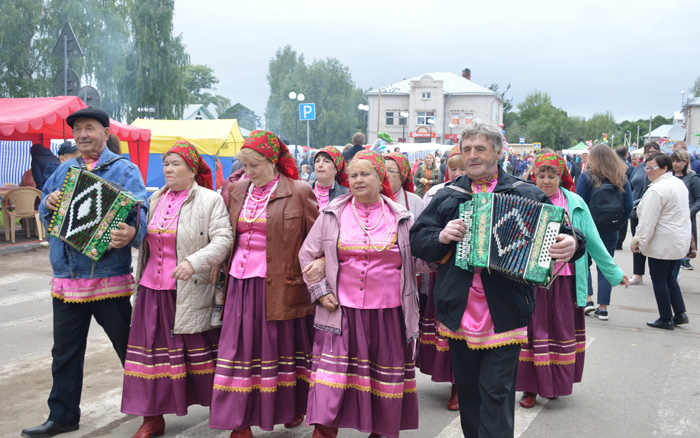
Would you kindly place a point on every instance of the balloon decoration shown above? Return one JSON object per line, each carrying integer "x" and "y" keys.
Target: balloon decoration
{"x": 502, "y": 125}
{"x": 605, "y": 138}
{"x": 386, "y": 137}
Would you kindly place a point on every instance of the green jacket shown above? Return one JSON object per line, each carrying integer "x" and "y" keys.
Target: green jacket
{"x": 581, "y": 219}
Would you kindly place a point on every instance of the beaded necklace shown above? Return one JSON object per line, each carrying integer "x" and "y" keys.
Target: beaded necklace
{"x": 265, "y": 199}
{"x": 368, "y": 229}
{"x": 167, "y": 220}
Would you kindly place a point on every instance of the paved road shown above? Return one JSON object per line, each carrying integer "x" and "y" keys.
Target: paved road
{"x": 638, "y": 382}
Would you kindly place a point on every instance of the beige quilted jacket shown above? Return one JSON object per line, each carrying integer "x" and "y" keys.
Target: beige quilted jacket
{"x": 204, "y": 238}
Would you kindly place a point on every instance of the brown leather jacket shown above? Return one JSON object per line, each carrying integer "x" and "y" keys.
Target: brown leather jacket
{"x": 291, "y": 213}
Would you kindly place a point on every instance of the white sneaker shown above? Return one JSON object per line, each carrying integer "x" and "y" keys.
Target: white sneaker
{"x": 634, "y": 281}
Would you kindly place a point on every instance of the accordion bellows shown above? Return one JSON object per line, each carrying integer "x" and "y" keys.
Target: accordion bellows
{"x": 510, "y": 236}
{"x": 89, "y": 207}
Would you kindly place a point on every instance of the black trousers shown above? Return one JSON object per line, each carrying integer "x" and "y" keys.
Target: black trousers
{"x": 622, "y": 235}
{"x": 71, "y": 322}
{"x": 666, "y": 290}
{"x": 485, "y": 382}
{"x": 639, "y": 261}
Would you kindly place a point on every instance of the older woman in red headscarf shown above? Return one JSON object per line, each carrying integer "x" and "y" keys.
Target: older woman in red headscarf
{"x": 552, "y": 359}
{"x": 264, "y": 363}
{"x": 367, "y": 316}
{"x": 331, "y": 176}
{"x": 401, "y": 180}
{"x": 171, "y": 354}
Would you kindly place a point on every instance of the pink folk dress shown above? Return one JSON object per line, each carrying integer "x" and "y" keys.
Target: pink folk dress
{"x": 364, "y": 378}
{"x": 263, "y": 367}
{"x": 552, "y": 359}
{"x": 165, "y": 372}
{"x": 322, "y": 195}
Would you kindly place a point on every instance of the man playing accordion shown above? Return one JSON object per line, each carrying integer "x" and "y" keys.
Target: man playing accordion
{"x": 81, "y": 287}
{"x": 484, "y": 315}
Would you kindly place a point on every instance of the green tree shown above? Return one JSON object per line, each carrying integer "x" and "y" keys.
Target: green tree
{"x": 600, "y": 123}
{"x": 508, "y": 118}
{"x": 199, "y": 78}
{"x": 551, "y": 127}
{"x": 244, "y": 115}
{"x": 156, "y": 63}
{"x": 280, "y": 69}
{"x": 531, "y": 107}
{"x": 695, "y": 89}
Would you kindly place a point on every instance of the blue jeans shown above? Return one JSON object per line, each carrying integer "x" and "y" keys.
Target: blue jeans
{"x": 604, "y": 287}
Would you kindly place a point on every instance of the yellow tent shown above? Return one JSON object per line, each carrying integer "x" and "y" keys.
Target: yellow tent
{"x": 208, "y": 136}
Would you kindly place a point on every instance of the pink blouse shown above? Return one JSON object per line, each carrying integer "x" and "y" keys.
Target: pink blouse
{"x": 322, "y": 195}
{"x": 363, "y": 269}
{"x": 162, "y": 242}
{"x": 476, "y": 327}
{"x": 249, "y": 259}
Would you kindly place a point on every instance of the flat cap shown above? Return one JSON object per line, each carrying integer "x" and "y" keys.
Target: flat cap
{"x": 89, "y": 113}
{"x": 67, "y": 147}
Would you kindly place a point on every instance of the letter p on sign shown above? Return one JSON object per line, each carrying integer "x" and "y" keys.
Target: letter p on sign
{"x": 307, "y": 111}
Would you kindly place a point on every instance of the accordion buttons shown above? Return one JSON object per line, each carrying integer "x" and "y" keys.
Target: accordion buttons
{"x": 269, "y": 259}
{"x": 269, "y": 238}
{"x": 269, "y": 281}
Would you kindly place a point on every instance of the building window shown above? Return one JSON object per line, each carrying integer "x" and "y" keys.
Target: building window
{"x": 423, "y": 117}
{"x": 389, "y": 118}
{"x": 468, "y": 117}
{"x": 455, "y": 119}
{"x": 425, "y": 95}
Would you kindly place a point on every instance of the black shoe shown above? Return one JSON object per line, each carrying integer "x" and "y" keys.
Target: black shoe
{"x": 49, "y": 429}
{"x": 601, "y": 314}
{"x": 590, "y": 307}
{"x": 662, "y": 323}
{"x": 680, "y": 318}
{"x": 685, "y": 264}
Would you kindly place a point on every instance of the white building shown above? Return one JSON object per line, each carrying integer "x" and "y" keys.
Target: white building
{"x": 437, "y": 107}
{"x": 692, "y": 121}
{"x": 199, "y": 112}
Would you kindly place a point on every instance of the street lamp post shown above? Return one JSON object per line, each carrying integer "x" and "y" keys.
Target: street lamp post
{"x": 404, "y": 116}
{"x": 430, "y": 123}
{"x": 300, "y": 97}
{"x": 364, "y": 108}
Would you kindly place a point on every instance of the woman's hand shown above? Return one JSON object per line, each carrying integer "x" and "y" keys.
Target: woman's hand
{"x": 215, "y": 273}
{"x": 564, "y": 249}
{"x": 634, "y": 247}
{"x": 315, "y": 271}
{"x": 453, "y": 231}
{"x": 183, "y": 271}
{"x": 329, "y": 302}
{"x": 423, "y": 181}
{"x": 625, "y": 282}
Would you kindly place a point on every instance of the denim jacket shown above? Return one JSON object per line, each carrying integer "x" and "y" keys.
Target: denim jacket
{"x": 69, "y": 263}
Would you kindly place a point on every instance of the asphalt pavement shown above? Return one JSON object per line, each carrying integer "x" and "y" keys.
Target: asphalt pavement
{"x": 637, "y": 382}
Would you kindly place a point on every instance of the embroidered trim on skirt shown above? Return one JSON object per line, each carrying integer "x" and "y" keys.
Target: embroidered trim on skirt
{"x": 165, "y": 374}
{"x": 263, "y": 369}
{"x": 552, "y": 359}
{"x": 365, "y": 378}
{"x": 433, "y": 349}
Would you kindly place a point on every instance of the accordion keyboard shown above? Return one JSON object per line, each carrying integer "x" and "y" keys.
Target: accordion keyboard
{"x": 549, "y": 239}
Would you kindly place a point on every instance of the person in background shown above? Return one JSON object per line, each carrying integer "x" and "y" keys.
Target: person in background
{"x": 694, "y": 162}
{"x": 401, "y": 180}
{"x": 634, "y": 159}
{"x": 443, "y": 168}
{"x": 331, "y": 174}
{"x": 663, "y": 235}
{"x": 358, "y": 141}
{"x": 604, "y": 183}
{"x": 579, "y": 166}
{"x": 623, "y": 153}
{"x": 681, "y": 169}
{"x": 305, "y": 171}
{"x": 397, "y": 149}
{"x": 66, "y": 151}
{"x": 171, "y": 355}
{"x": 367, "y": 309}
{"x": 81, "y": 287}
{"x": 552, "y": 359}
{"x": 264, "y": 357}
{"x": 427, "y": 175}
{"x": 640, "y": 183}
{"x": 41, "y": 157}
{"x": 434, "y": 349}
{"x": 218, "y": 173}
{"x": 114, "y": 144}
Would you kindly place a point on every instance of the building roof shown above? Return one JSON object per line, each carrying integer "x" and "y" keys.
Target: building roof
{"x": 673, "y": 131}
{"x": 452, "y": 83}
{"x": 191, "y": 109}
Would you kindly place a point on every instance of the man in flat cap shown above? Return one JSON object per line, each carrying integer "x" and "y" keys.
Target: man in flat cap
{"x": 82, "y": 288}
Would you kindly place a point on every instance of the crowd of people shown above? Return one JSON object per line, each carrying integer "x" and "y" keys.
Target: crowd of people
{"x": 339, "y": 280}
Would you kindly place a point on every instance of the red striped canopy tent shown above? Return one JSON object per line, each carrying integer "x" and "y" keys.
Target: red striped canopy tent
{"x": 41, "y": 119}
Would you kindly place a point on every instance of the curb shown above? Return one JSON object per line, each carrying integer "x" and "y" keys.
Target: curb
{"x": 22, "y": 247}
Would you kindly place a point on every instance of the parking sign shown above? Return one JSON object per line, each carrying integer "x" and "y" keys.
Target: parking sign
{"x": 307, "y": 111}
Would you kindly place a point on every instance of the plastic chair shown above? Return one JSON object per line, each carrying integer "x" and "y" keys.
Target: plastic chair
{"x": 23, "y": 201}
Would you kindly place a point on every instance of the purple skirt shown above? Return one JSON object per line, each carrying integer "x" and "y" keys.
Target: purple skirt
{"x": 433, "y": 349}
{"x": 552, "y": 359}
{"x": 365, "y": 378}
{"x": 263, "y": 369}
{"x": 165, "y": 374}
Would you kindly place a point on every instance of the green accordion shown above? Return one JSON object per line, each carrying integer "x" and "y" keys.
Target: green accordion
{"x": 510, "y": 236}
{"x": 88, "y": 209}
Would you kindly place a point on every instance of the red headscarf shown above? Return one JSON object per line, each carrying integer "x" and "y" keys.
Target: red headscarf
{"x": 195, "y": 162}
{"x": 457, "y": 150}
{"x": 272, "y": 148}
{"x": 339, "y": 161}
{"x": 378, "y": 163}
{"x": 550, "y": 159}
{"x": 404, "y": 168}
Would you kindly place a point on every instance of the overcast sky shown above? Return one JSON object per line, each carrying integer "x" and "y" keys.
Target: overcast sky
{"x": 632, "y": 58}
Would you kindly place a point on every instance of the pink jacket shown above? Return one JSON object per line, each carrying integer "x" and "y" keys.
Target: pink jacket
{"x": 322, "y": 241}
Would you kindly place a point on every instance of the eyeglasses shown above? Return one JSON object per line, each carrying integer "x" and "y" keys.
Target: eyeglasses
{"x": 393, "y": 171}
{"x": 651, "y": 169}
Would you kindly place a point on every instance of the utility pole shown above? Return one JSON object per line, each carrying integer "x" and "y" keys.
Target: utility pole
{"x": 637, "y": 135}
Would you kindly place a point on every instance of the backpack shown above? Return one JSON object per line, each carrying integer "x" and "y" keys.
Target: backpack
{"x": 607, "y": 207}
